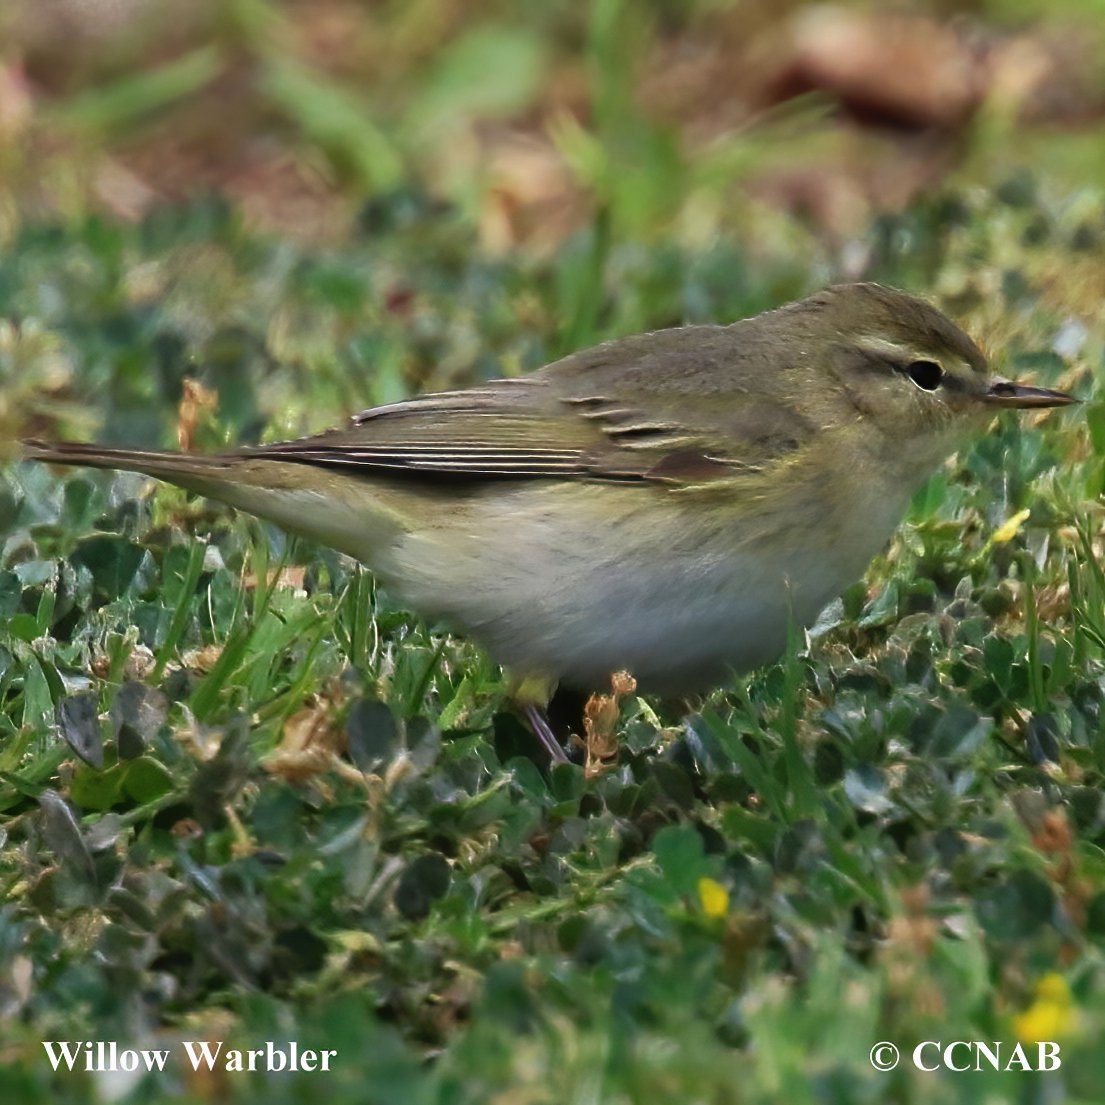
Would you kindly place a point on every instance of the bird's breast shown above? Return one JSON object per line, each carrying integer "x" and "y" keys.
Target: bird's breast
{"x": 675, "y": 591}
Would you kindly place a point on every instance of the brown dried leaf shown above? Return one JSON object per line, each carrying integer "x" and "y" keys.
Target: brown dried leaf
{"x": 310, "y": 746}
{"x": 289, "y": 578}
{"x": 600, "y": 720}
{"x": 532, "y": 199}
{"x": 201, "y": 659}
{"x": 884, "y": 67}
{"x": 195, "y": 401}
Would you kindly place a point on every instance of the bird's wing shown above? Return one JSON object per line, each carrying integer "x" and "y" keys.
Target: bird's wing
{"x": 621, "y": 411}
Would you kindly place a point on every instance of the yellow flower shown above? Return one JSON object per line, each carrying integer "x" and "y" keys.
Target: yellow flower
{"x": 1053, "y": 988}
{"x": 1051, "y": 1014}
{"x": 714, "y": 897}
{"x": 1009, "y": 529}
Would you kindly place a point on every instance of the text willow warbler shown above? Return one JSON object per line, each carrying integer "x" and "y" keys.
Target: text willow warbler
{"x": 663, "y": 504}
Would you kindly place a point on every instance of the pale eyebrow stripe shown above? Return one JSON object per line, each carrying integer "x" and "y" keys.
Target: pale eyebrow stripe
{"x": 873, "y": 343}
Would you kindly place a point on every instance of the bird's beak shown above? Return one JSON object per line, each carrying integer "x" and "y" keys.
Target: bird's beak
{"x": 1002, "y": 393}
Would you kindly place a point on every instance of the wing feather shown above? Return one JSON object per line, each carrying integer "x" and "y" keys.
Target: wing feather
{"x": 621, "y": 411}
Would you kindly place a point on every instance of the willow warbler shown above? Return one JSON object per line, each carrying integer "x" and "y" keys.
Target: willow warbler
{"x": 664, "y": 503}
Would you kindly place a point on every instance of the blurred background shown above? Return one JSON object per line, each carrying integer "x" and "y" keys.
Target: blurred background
{"x": 530, "y": 117}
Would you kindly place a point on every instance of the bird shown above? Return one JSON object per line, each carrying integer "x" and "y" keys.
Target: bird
{"x": 664, "y": 504}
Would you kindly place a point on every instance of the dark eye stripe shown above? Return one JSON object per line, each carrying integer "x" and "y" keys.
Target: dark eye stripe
{"x": 951, "y": 382}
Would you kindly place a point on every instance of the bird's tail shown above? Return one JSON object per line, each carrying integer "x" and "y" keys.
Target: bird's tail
{"x": 190, "y": 471}
{"x": 327, "y": 506}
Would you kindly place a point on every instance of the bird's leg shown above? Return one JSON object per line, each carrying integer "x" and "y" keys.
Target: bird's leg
{"x": 544, "y": 734}
{"x": 530, "y": 694}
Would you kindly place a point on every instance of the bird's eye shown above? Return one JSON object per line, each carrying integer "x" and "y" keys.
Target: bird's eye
{"x": 925, "y": 374}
